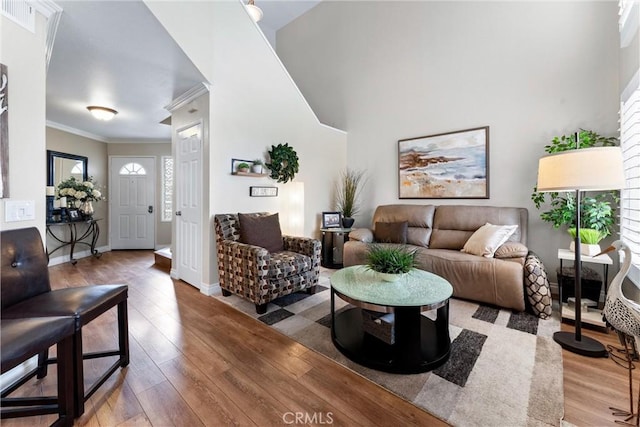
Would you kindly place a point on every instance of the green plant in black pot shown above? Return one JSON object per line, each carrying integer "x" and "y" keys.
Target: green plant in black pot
{"x": 347, "y": 192}
{"x": 393, "y": 260}
{"x": 597, "y": 211}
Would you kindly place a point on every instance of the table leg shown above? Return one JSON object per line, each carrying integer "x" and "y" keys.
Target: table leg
{"x": 408, "y": 345}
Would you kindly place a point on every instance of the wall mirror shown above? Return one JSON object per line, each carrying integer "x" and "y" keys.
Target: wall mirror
{"x": 62, "y": 166}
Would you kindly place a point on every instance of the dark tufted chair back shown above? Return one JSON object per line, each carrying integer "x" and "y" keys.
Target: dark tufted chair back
{"x": 23, "y": 266}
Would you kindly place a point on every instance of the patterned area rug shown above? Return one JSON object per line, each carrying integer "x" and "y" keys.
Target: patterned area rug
{"x": 504, "y": 369}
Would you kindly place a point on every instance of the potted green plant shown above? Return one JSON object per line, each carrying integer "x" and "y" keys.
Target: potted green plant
{"x": 347, "y": 194}
{"x": 243, "y": 167}
{"x": 597, "y": 211}
{"x": 390, "y": 262}
{"x": 257, "y": 166}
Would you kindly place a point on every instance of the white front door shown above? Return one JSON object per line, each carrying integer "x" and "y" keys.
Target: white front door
{"x": 131, "y": 202}
{"x": 189, "y": 205}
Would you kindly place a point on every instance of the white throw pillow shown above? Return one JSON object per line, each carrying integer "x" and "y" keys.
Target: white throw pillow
{"x": 487, "y": 239}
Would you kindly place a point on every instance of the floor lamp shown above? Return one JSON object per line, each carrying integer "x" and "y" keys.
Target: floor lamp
{"x": 587, "y": 169}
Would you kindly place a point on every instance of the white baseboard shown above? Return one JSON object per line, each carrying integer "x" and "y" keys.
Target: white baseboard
{"x": 173, "y": 273}
{"x": 18, "y": 372}
{"x": 209, "y": 288}
{"x": 76, "y": 255}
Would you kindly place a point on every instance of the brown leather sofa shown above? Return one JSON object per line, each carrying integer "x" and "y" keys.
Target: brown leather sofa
{"x": 438, "y": 233}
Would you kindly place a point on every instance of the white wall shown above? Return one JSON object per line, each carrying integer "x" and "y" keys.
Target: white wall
{"x": 385, "y": 71}
{"x": 253, "y": 104}
{"x": 23, "y": 53}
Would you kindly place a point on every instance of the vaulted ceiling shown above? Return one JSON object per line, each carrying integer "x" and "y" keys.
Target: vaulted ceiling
{"x": 117, "y": 55}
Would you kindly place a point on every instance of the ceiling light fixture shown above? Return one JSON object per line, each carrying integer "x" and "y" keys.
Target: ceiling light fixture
{"x": 102, "y": 113}
{"x": 254, "y": 11}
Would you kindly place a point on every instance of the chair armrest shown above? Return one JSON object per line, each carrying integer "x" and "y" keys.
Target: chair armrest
{"x": 364, "y": 235}
{"x": 252, "y": 258}
{"x": 304, "y": 245}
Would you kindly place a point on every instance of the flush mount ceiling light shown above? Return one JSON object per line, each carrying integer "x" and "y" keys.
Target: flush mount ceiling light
{"x": 254, "y": 11}
{"x": 102, "y": 113}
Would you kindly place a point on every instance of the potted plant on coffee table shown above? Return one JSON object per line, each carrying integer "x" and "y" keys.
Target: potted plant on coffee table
{"x": 597, "y": 210}
{"x": 347, "y": 195}
{"x": 390, "y": 262}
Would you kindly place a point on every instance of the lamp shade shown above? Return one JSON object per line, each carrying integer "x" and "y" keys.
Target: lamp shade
{"x": 587, "y": 169}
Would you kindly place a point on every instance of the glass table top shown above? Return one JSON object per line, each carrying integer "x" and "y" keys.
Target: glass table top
{"x": 416, "y": 288}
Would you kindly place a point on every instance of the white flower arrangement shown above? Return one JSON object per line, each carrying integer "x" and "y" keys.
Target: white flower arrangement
{"x": 79, "y": 190}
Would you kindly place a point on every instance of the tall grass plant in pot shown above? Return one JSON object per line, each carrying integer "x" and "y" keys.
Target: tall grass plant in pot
{"x": 348, "y": 194}
{"x": 390, "y": 262}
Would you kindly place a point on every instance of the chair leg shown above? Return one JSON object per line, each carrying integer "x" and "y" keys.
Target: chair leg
{"x": 78, "y": 373}
{"x": 123, "y": 333}
{"x": 226, "y": 293}
{"x": 261, "y": 308}
{"x": 65, "y": 383}
{"x": 311, "y": 290}
{"x": 43, "y": 359}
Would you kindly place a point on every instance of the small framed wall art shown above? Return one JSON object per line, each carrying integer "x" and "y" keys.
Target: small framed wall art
{"x": 331, "y": 219}
{"x": 453, "y": 165}
{"x": 263, "y": 191}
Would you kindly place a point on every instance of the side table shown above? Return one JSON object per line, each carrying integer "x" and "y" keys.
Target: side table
{"x": 332, "y": 244}
{"x": 591, "y": 316}
{"x": 75, "y": 236}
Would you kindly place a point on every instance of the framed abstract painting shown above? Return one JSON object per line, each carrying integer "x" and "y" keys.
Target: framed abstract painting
{"x": 453, "y": 165}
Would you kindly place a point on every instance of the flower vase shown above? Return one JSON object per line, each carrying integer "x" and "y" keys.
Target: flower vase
{"x": 87, "y": 209}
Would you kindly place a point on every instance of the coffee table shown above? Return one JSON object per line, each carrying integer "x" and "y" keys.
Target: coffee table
{"x": 421, "y": 343}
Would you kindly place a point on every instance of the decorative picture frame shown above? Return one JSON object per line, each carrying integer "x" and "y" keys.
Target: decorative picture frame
{"x": 236, "y": 162}
{"x": 452, "y": 165}
{"x": 74, "y": 214}
{"x": 258, "y": 191}
{"x": 331, "y": 219}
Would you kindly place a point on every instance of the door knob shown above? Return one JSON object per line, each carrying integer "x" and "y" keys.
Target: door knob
{"x": 150, "y": 209}
{"x": 178, "y": 213}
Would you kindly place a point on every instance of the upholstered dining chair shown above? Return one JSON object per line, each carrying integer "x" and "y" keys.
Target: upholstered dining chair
{"x": 26, "y": 292}
{"x": 258, "y": 263}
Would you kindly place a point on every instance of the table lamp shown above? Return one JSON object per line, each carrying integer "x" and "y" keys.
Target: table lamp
{"x": 587, "y": 169}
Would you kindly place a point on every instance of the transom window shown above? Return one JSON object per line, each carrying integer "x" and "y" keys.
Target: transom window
{"x": 132, "y": 169}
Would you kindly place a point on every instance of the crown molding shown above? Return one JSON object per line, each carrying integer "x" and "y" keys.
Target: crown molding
{"x": 53, "y": 12}
{"x": 190, "y": 95}
{"x": 75, "y": 131}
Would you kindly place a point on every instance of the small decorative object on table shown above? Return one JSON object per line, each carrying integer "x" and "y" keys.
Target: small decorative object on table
{"x": 390, "y": 262}
{"x": 331, "y": 219}
{"x": 81, "y": 195}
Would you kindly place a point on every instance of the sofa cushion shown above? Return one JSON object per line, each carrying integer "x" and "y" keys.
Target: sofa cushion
{"x": 454, "y": 224}
{"x": 261, "y": 230}
{"x": 391, "y": 232}
{"x": 511, "y": 250}
{"x": 487, "y": 239}
{"x": 537, "y": 286}
{"x": 284, "y": 264}
{"x": 418, "y": 217}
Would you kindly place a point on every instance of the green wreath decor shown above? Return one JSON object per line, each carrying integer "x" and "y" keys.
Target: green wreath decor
{"x": 284, "y": 162}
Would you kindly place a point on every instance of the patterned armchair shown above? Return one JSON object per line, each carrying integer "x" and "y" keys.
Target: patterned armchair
{"x": 254, "y": 273}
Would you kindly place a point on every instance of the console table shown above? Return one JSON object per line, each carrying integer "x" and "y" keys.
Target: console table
{"x": 84, "y": 232}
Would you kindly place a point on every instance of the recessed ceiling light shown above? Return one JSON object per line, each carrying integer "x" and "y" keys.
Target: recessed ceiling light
{"x": 102, "y": 113}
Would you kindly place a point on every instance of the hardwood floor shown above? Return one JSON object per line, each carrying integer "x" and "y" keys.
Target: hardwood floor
{"x": 196, "y": 361}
